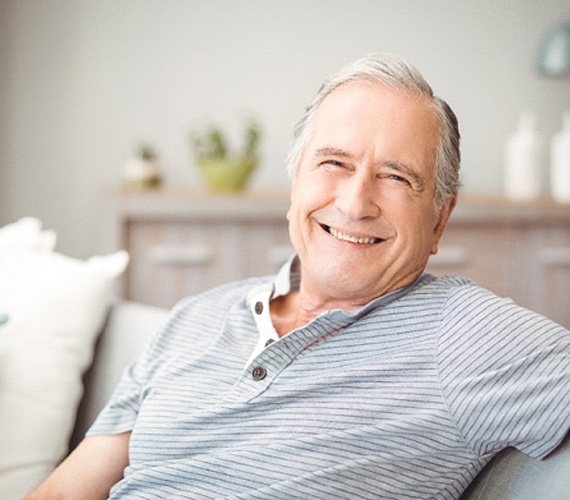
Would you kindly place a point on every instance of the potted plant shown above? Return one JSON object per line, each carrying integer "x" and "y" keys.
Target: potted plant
{"x": 222, "y": 169}
{"x": 142, "y": 170}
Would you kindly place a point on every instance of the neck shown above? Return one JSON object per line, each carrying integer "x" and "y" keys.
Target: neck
{"x": 298, "y": 308}
{"x": 286, "y": 314}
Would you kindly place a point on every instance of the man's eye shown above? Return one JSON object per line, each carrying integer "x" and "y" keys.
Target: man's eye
{"x": 333, "y": 164}
{"x": 399, "y": 178}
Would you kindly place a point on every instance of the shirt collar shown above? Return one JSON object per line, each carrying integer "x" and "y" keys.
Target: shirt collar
{"x": 288, "y": 279}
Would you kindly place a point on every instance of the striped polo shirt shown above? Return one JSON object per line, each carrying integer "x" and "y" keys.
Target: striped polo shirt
{"x": 406, "y": 397}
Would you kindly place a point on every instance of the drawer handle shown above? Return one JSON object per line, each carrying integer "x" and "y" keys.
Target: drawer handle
{"x": 450, "y": 256}
{"x": 555, "y": 256}
{"x": 180, "y": 255}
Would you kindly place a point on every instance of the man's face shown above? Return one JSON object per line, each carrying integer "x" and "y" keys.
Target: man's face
{"x": 362, "y": 216}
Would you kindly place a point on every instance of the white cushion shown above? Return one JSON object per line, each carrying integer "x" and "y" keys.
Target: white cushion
{"x": 27, "y": 234}
{"x": 53, "y": 307}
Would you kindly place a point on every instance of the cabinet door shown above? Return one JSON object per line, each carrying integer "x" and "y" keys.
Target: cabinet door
{"x": 548, "y": 286}
{"x": 171, "y": 260}
{"x": 476, "y": 252}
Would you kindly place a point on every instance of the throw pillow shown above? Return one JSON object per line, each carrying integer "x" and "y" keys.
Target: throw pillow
{"x": 54, "y": 307}
{"x": 26, "y": 234}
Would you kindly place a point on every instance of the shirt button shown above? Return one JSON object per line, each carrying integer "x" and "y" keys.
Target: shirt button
{"x": 269, "y": 342}
{"x": 258, "y": 307}
{"x": 259, "y": 373}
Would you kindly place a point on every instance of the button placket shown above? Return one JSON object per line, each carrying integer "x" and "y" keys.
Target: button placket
{"x": 259, "y": 306}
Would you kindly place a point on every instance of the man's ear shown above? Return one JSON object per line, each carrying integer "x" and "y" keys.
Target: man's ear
{"x": 444, "y": 215}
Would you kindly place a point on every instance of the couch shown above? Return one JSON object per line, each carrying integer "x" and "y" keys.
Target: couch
{"x": 52, "y": 308}
{"x": 510, "y": 476}
{"x": 64, "y": 343}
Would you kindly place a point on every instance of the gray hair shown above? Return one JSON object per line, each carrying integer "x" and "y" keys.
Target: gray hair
{"x": 392, "y": 71}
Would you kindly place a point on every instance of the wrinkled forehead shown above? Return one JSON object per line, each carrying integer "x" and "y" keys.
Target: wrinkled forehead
{"x": 368, "y": 114}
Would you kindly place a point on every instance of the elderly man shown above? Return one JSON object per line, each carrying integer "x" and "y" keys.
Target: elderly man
{"x": 351, "y": 374}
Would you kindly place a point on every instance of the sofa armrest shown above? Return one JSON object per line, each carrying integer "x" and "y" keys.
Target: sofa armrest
{"x": 127, "y": 330}
{"x": 511, "y": 475}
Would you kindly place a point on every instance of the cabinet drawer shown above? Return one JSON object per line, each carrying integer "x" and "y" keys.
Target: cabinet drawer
{"x": 170, "y": 260}
{"x": 482, "y": 255}
{"x": 548, "y": 272}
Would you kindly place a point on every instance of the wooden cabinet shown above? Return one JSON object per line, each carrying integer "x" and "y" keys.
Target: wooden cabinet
{"x": 182, "y": 242}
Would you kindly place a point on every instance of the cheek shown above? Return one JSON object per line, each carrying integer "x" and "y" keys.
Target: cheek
{"x": 310, "y": 193}
{"x": 429, "y": 233}
{"x": 417, "y": 225}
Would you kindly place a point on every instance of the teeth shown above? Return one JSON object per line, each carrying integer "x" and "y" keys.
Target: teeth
{"x": 353, "y": 239}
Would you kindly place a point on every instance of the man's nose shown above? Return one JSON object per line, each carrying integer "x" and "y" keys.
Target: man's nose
{"x": 358, "y": 197}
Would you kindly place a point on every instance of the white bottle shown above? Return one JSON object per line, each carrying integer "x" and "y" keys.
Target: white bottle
{"x": 524, "y": 155}
{"x": 560, "y": 162}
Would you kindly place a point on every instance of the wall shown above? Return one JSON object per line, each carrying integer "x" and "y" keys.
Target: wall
{"x": 84, "y": 81}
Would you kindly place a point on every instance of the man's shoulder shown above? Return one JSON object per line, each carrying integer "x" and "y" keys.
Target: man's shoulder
{"x": 452, "y": 295}
{"x": 445, "y": 282}
{"x": 444, "y": 287}
{"x": 427, "y": 297}
{"x": 489, "y": 317}
{"x": 456, "y": 288}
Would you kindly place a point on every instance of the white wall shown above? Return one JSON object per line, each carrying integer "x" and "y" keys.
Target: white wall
{"x": 83, "y": 81}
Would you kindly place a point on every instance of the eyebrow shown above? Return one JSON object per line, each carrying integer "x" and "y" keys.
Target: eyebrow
{"x": 397, "y": 166}
{"x": 330, "y": 151}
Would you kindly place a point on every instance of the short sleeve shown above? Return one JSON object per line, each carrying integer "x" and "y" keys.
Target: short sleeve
{"x": 121, "y": 411}
{"x": 505, "y": 373}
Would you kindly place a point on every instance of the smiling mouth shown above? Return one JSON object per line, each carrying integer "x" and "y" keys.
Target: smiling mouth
{"x": 360, "y": 240}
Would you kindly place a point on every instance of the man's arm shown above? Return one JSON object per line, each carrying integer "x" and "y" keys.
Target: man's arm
{"x": 90, "y": 470}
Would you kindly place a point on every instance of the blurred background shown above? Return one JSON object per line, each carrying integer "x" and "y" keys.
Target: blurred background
{"x": 83, "y": 82}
